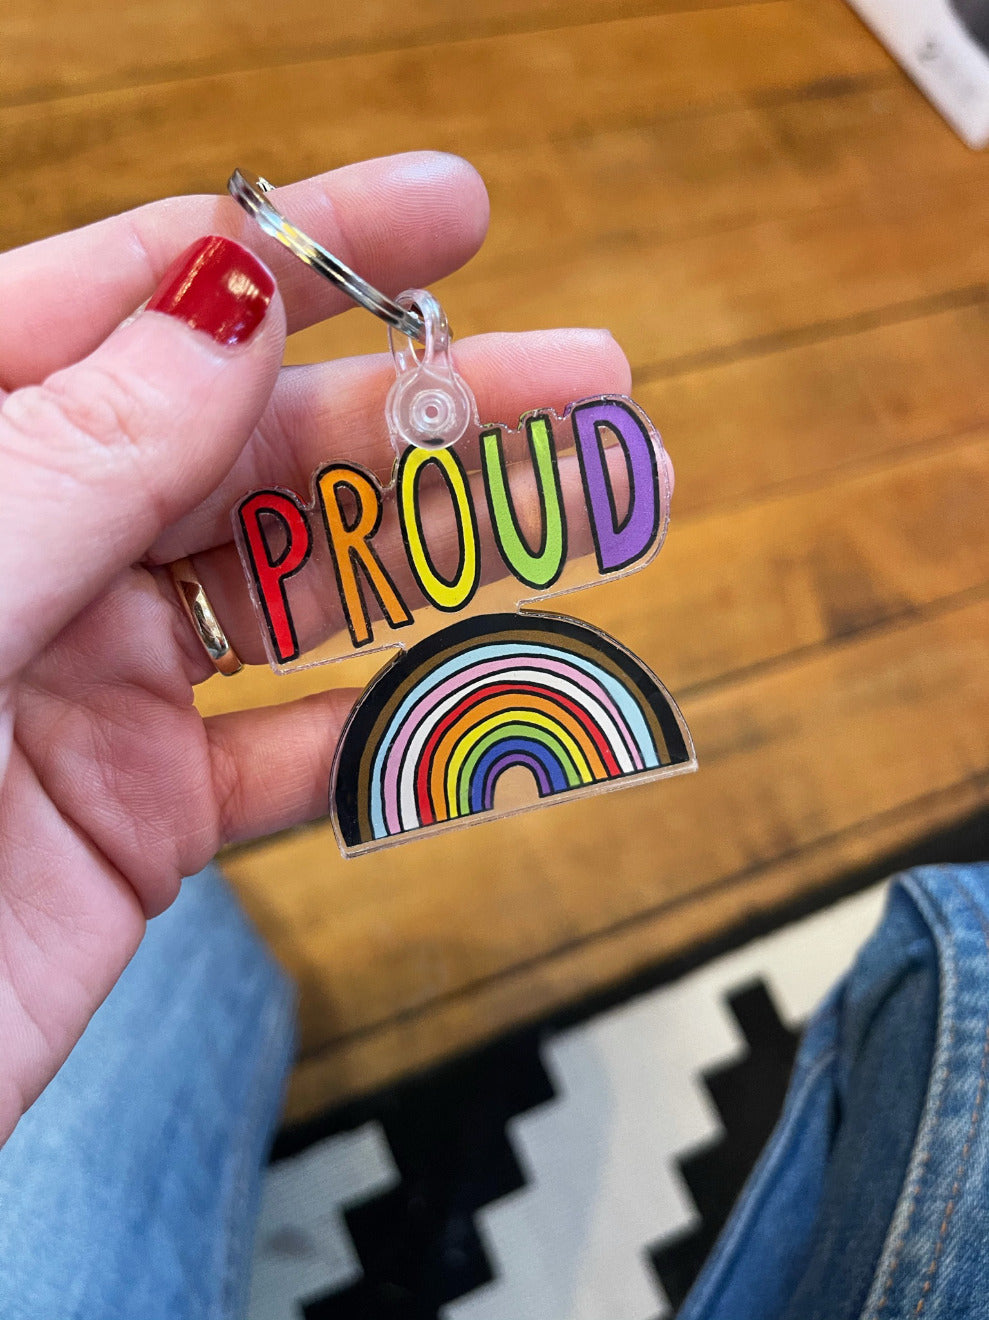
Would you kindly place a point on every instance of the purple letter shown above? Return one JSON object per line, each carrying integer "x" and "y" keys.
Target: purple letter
{"x": 617, "y": 545}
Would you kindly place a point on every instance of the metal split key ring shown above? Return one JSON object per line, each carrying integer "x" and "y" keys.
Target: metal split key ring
{"x": 427, "y": 397}
{"x": 249, "y": 190}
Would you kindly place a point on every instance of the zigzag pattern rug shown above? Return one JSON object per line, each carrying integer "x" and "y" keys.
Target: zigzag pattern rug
{"x": 577, "y": 1170}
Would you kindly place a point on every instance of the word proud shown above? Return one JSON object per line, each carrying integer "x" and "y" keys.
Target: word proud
{"x": 532, "y": 504}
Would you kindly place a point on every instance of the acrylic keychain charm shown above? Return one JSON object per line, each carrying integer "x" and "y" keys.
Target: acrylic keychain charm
{"x": 489, "y": 707}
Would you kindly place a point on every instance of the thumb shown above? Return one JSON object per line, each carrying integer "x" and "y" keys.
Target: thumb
{"x": 98, "y": 460}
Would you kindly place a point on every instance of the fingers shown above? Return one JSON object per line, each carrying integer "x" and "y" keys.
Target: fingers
{"x": 271, "y": 767}
{"x": 98, "y": 460}
{"x": 337, "y": 410}
{"x": 401, "y": 222}
{"x": 315, "y": 603}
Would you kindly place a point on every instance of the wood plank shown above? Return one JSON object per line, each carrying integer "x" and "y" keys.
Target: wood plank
{"x": 908, "y": 536}
{"x": 721, "y": 290}
{"x": 164, "y": 40}
{"x": 615, "y": 189}
{"x": 730, "y": 592}
{"x": 716, "y": 296}
{"x": 768, "y": 420}
{"x": 359, "y": 1062}
{"x": 839, "y": 538}
{"x": 790, "y": 756}
{"x": 83, "y": 157}
{"x": 610, "y": 198}
{"x": 772, "y": 414}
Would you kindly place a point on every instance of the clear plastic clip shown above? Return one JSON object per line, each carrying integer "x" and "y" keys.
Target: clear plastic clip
{"x": 429, "y": 405}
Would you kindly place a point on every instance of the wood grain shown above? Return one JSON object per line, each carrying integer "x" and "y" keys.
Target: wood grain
{"x": 739, "y": 586}
{"x": 77, "y": 158}
{"x": 720, "y": 281}
{"x": 428, "y": 1033}
{"x": 157, "y": 42}
{"x": 790, "y": 245}
{"x": 781, "y": 415}
{"x": 790, "y": 757}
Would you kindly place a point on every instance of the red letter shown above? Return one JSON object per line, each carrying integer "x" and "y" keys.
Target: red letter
{"x": 269, "y": 574}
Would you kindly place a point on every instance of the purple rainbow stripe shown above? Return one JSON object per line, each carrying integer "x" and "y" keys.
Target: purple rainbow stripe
{"x": 440, "y": 726}
{"x": 457, "y": 686}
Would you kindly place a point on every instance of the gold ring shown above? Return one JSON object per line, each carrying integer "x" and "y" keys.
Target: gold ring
{"x": 208, "y": 627}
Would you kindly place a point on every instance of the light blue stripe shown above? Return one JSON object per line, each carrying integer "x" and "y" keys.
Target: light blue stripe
{"x": 626, "y": 703}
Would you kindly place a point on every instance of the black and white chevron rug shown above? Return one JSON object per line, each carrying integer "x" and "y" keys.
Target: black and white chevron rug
{"x": 576, "y": 1170}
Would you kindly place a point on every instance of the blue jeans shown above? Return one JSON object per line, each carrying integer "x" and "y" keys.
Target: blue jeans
{"x": 129, "y": 1189}
{"x": 871, "y": 1199}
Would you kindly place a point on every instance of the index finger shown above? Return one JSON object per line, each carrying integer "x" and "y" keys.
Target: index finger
{"x": 400, "y": 221}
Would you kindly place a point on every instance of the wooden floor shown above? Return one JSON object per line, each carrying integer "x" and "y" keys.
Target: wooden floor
{"x": 794, "y": 251}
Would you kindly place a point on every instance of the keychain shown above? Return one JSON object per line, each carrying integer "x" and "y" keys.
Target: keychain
{"x": 489, "y": 707}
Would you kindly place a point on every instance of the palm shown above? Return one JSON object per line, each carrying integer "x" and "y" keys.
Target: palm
{"x": 109, "y": 798}
{"x": 105, "y": 718}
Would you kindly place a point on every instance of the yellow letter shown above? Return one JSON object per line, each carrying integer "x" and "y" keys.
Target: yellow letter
{"x": 455, "y": 593}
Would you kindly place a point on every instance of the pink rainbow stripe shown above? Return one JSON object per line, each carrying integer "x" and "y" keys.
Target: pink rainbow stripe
{"x": 454, "y": 684}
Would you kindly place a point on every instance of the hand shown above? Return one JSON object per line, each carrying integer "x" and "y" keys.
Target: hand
{"x": 124, "y": 448}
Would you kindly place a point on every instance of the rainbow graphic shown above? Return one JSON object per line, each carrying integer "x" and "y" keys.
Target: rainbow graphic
{"x": 432, "y": 735}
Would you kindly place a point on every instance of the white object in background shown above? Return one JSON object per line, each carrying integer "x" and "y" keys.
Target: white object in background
{"x": 302, "y": 1248}
{"x": 601, "y": 1160}
{"x": 944, "y": 46}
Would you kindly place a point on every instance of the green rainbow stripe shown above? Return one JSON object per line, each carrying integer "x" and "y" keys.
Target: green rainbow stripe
{"x": 429, "y": 740}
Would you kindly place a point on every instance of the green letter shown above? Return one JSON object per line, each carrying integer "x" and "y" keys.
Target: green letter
{"x": 541, "y": 569}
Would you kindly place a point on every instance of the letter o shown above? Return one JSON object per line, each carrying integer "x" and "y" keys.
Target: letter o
{"x": 446, "y": 594}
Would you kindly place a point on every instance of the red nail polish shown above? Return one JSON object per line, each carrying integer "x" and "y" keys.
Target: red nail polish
{"x": 218, "y": 287}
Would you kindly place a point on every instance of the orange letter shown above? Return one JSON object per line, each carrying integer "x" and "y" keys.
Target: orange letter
{"x": 350, "y": 546}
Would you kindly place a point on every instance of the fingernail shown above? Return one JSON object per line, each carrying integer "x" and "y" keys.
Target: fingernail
{"x": 218, "y": 287}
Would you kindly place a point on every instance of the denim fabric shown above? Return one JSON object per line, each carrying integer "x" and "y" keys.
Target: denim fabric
{"x": 871, "y": 1201}
{"x": 130, "y": 1188}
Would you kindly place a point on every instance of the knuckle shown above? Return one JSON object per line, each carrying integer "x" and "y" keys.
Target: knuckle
{"x": 228, "y": 787}
{"x": 88, "y": 426}
{"x": 78, "y": 414}
{"x": 99, "y": 408}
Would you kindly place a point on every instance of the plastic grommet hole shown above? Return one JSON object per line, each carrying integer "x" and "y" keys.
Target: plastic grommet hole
{"x": 429, "y": 405}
